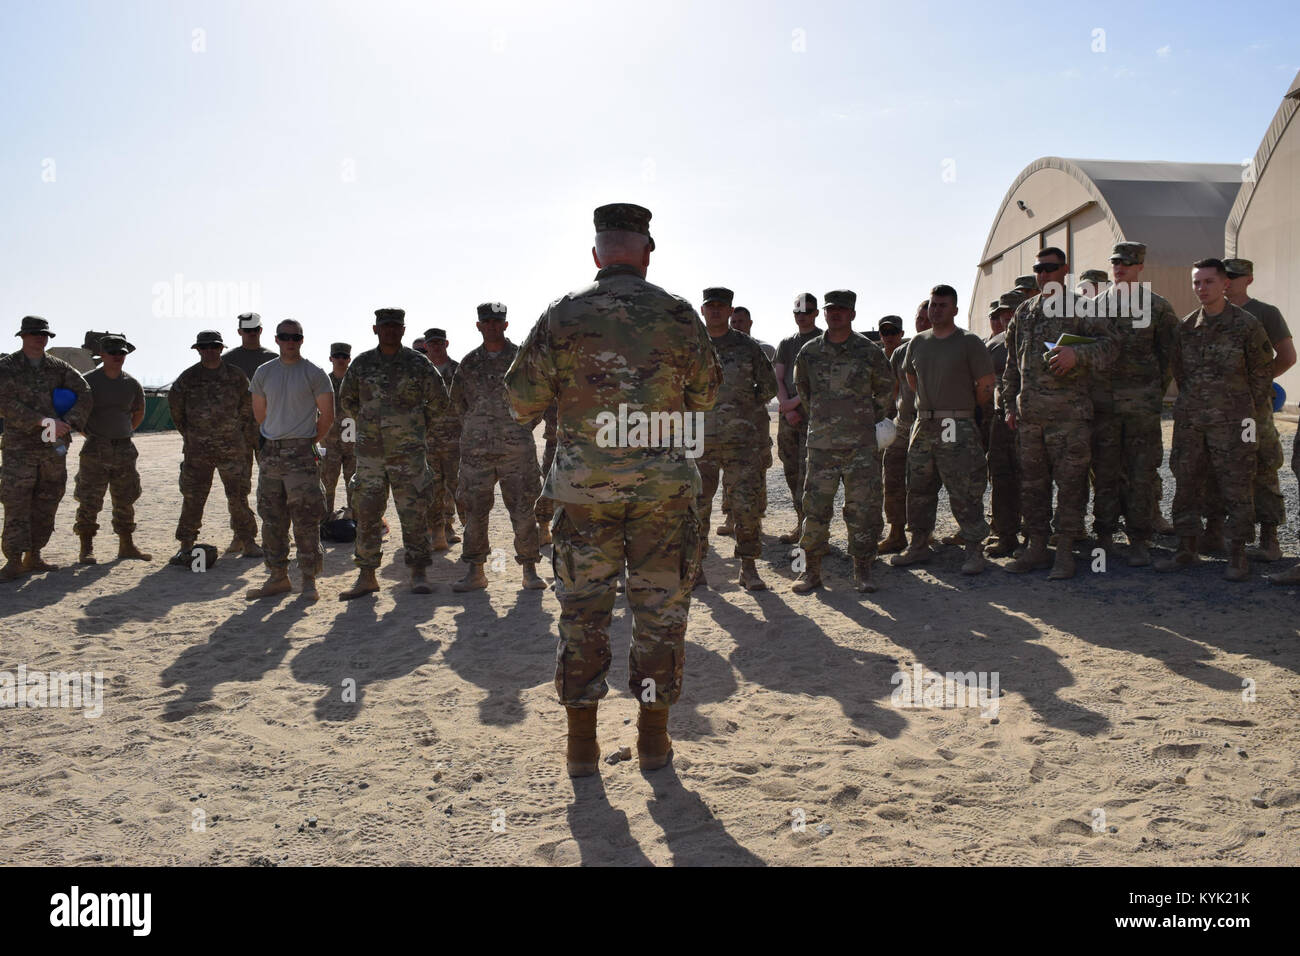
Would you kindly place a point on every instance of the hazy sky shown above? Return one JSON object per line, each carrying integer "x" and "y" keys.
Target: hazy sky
{"x": 339, "y": 157}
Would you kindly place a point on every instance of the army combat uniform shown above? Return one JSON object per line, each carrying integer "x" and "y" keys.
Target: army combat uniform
{"x": 733, "y": 443}
{"x": 108, "y": 458}
{"x": 444, "y": 454}
{"x": 895, "y": 456}
{"x": 545, "y": 509}
{"x": 1003, "y": 458}
{"x": 340, "y": 455}
{"x": 34, "y": 472}
{"x": 214, "y": 414}
{"x": 396, "y": 401}
{"x": 494, "y": 448}
{"x": 792, "y": 440}
{"x": 620, "y": 341}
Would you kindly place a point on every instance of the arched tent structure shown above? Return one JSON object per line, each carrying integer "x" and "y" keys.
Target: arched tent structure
{"x": 1264, "y": 223}
{"x": 1085, "y": 206}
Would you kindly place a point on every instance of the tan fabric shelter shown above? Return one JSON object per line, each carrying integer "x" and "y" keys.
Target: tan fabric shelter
{"x": 1085, "y": 206}
{"x": 1264, "y": 223}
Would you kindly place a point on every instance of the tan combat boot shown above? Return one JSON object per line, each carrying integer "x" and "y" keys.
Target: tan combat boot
{"x": 366, "y": 583}
{"x": 309, "y": 591}
{"x": 1212, "y": 537}
{"x": 236, "y": 545}
{"x": 439, "y": 535}
{"x": 1269, "y": 549}
{"x": 452, "y": 536}
{"x": 894, "y": 542}
{"x": 1139, "y": 555}
{"x": 420, "y": 581}
{"x": 700, "y": 580}
{"x": 749, "y": 578}
{"x": 974, "y": 563}
{"x": 1033, "y": 558}
{"x": 862, "y": 575}
{"x": 34, "y": 563}
{"x": 811, "y": 578}
{"x": 582, "y": 752}
{"x": 1005, "y": 547}
{"x": 127, "y": 551}
{"x": 531, "y": 580}
{"x": 1238, "y": 564}
{"x": 1185, "y": 558}
{"x": 276, "y": 583}
{"x": 1106, "y": 542}
{"x": 1063, "y": 566}
{"x": 792, "y": 537}
{"x": 87, "y": 555}
{"x": 654, "y": 748}
{"x": 917, "y": 552}
{"x": 951, "y": 540}
{"x": 13, "y": 568}
{"x": 252, "y": 549}
{"x": 474, "y": 579}
{"x": 1289, "y": 576}
{"x": 543, "y": 534}
{"x": 1160, "y": 524}
{"x": 727, "y": 528}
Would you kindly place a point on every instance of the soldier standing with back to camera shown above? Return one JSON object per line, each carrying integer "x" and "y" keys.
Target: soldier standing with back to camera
{"x": 340, "y": 455}
{"x": 34, "y": 464}
{"x": 213, "y": 412}
{"x": 733, "y": 442}
{"x": 619, "y": 341}
{"x": 248, "y": 356}
{"x": 109, "y": 455}
{"x": 792, "y": 416}
{"x": 494, "y": 449}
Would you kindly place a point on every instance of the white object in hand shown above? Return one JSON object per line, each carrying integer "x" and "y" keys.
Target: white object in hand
{"x": 886, "y": 432}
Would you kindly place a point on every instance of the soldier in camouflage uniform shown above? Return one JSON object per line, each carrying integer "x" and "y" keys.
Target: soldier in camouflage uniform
{"x": 340, "y": 455}
{"x": 34, "y": 469}
{"x": 248, "y": 356}
{"x": 742, "y": 321}
{"x": 1127, "y": 446}
{"x": 894, "y": 460}
{"x": 792, "y": 416}
{"x": 620, "y": 500}
{"x": 443, "y": 447}
{"x": 847, "y": 386}
{"x": 951, "y": 372}
{"x": 732, "y": 440}
{"x": 213, "y": 411}
{"x": 1223, "y": 365}
{"x": 1048, "y": 405}
{"x": 545, "y": 509}
{"x": 396, "y": 398}
{"x": 108, "y": 458}
{"x": 494, "y": 449}
{"x": 1003, "y": 458}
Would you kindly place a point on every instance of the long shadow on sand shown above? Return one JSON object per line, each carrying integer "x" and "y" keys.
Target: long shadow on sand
{"x": 166, "y": 586}
{"x": 603, "y": 835}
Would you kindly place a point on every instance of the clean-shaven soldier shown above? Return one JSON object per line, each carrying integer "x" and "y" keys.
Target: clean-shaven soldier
{"x": 248, "y": 357}
{"x": 792, "y": 416}
{"x": 340, "y": 455}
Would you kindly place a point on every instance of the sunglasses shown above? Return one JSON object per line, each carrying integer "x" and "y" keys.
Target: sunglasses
{"x": 116, "y": 352}
{"x": 289, "y": 337}
{"x": 891, "y": 331}
{"x": 208, "y": 347}
{"x": 1048, "y": 266}
{"x": 340, "y": 356}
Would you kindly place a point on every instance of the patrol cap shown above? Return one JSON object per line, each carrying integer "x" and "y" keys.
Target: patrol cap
{"x": 340, "y": 348}
{"x": 435, "y": 335}
{"x": 491, "y": 310}
{"x": 1011, "y": 299}
{"x": 91, "y": 342}
{"x": 112, "y": 342}
{"x": 34, "y": 325}
{"x": 891, "y": 322}
{"x": 208, "y": 337}
{"x": 1129, "y": 253}
{"x": 1094, "y": 275}
{"x": 1027, "y": 282}
{"x": 805, "y": 302}
{"x": 718, "y": 293}
{"x": 1239, "y": 267}
{"x": 842, "y": 297}
{"x": 390, "y": 316}
{"x": 248, "y": 321}
{"x": 999, "y": 307}
{"x": 624, "y": 217}
{"x": 993, "y": 304}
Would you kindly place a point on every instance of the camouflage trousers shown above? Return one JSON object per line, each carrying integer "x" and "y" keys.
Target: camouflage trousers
{"x": 32, "y": 482}
{"x": 762, "y": 494}
{"x": 658, "y": 542}
{"x": 792, "y": 450}
{"x": 340, "y": 458}
{"x": 859, "y": 469}
{"x": 1057, "y": 452}
{"x": 1270, "y": 507}
{"x": 545, "y": 508}
{"x": 411, "y": 484}
{"x": 289, "y": 491}
{"x": 959, "y": 464}
{"x": 1004, "y": 476}
{"x": 1126, "y": 451}
{"x": 196, "y": 481}
{"x": 894, "y": 467}
{"x": 741, "y": 474}
{"x": 520, "y": 482}
{"x": 106, "y": 465}
{"x": 443, "y": 454}
{"x": 1198, "y": 452}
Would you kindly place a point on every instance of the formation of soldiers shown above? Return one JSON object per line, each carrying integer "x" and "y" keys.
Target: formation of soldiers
{"x": 891, "y": 422}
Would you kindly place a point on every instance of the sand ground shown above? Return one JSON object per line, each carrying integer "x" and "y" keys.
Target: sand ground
{"x": 1124, "y": 733}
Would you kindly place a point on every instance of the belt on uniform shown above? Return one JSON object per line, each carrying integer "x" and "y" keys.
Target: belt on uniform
{"x": 289, "y": 443}
{"x": 946, "y": 413}
{"x": 111, "y": 441}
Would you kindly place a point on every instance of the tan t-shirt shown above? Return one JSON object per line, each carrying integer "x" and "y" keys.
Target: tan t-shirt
{"x": 947, "y": 369}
